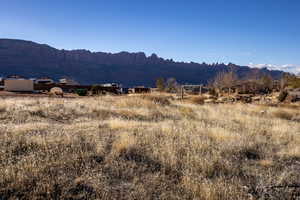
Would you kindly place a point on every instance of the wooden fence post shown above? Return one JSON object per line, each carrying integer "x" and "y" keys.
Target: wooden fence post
{"x": 181, "y": 92}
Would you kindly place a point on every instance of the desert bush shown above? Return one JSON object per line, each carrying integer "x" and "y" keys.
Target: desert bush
{"x": 96, "y": 89}
{"x": 213, "y": 92}
{"x": 290, "y": 106}
{"x": 225, "y": 79}
{"x": 282, "y": 96}
{"x": 291, "y": 98}
{"x": 197, "y": 100}
{"x": 2, "y": 109}
{"x": 56, "y": 91}
{"x": 188, "y": 112}
{"x": 296, "y": 118}
{"x": 291, "y": 80}
{"x": 81, "y": 92}
{"x": 161, "y": 100}
{"x": 160, "y": 84}
{"x": 283, "y": 114}
{"x": 172, "y": 86}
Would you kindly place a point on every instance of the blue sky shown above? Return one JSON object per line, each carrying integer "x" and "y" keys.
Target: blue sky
{"x": 245, "y": 32}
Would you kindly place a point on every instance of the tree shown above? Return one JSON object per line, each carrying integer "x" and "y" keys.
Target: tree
{"x": 172, "y": 85}
{"x": 292, "y": 81}
{"x": 96, "y": 89}
{"x": 160, "y": 84}
{"x": 225, "y": 79}
{"x": 283, "y": 81}
{"x": 266, "y": 82}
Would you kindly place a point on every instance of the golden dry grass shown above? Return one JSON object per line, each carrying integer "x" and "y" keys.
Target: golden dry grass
{"x": 146, "y": 147}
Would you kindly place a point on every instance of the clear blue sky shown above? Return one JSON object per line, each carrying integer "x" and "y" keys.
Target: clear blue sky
{"x": 238, "y": 31}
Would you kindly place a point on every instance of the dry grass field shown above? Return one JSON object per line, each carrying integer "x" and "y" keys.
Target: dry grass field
{"x": 147, "y": 147}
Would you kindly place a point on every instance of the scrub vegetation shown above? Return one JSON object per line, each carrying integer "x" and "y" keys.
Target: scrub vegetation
{"x": 147, "y": 147}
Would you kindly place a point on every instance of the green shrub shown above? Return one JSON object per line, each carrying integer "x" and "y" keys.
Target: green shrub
{"x": 96, "y": 89}
{"x": 81, "y": 92}
{"x": 282, "y": 96}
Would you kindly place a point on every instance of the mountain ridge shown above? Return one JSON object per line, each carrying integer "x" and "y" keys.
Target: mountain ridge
{"x": 32, "y": 59}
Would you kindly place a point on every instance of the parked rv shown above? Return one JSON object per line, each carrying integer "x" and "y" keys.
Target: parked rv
{"x": 18, "y": 85}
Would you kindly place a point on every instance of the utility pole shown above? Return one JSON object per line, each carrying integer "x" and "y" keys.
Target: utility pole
{"x": 181, "y": 92}
{"x": 200, "y": 90}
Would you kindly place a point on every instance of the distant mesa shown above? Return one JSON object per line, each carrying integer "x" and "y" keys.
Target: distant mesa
{"x": 31, "y": 59}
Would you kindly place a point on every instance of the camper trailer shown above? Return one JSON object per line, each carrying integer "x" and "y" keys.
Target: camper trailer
{"x": 18, "y": 85}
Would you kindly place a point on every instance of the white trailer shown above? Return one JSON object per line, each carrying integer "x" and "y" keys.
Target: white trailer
{"x": 18, "y": 85}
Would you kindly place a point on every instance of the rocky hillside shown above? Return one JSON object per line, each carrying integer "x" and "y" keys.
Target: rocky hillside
{"x": 33, "y": 60}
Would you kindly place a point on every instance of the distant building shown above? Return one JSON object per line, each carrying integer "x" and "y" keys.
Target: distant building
{"x": 66, "y": 81}
{"x": 194, "y": 89}
{"x": 44, "y": 80}
{"x": 13, "y": 77}
{"x": 141, "y": 89}
{"x": 124, "y": 90}
{"x": 1, "y": 83}
{"x": 18, "y": 85}
{"x": 110, "y": 85}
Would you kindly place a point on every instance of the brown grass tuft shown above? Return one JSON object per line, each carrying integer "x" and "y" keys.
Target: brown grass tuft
{"x": 283, "y": 114}
{"x": 197, "y": 100}
{"x": 160, "y": 100}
